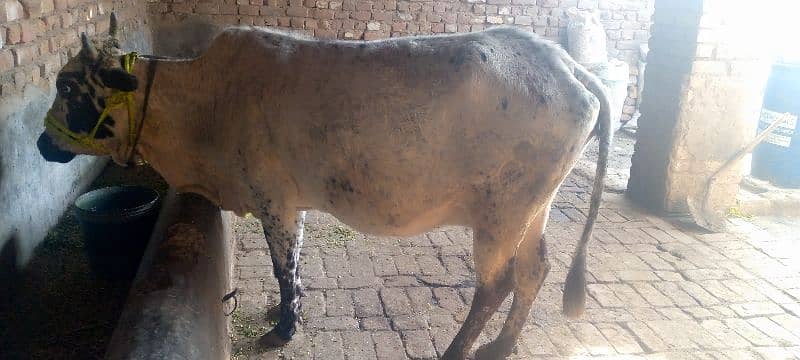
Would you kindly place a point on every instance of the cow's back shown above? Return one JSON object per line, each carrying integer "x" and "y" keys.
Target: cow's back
{"x": 398, "y": 130}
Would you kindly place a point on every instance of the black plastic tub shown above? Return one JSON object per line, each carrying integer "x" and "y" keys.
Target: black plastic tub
{"x": 116, "y": 223}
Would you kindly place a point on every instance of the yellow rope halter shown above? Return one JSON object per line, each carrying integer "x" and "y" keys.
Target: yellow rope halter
{"x": 113, "y": 102}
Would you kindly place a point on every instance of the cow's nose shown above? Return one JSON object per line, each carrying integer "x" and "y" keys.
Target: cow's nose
{"x": 51, "y": 152}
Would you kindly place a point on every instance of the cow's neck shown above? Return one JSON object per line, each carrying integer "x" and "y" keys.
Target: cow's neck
{"x": 169, "y": 99}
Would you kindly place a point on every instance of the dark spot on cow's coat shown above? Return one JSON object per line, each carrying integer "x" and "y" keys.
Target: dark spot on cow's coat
{"x": 335, "y": 184}
{"x": 457, "y": 60}
{"x": 542, "y": 249}
{"x": 504, "y": 103}
{"x": 483, "y": 56}
{"x": 525, "y": 152}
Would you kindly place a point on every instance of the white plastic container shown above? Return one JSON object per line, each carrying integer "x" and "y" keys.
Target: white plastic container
{"x": 586, "y": 37}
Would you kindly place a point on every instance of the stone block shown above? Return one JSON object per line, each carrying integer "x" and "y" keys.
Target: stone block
{"x": 388, "y": 345}
{"x": 13, "y": 34}
{"x": 6, "y": 60}
{"x": 24, "y": 55}
{"x": 395, "y": 301}
{"x": 418, "y": 344}
{"x": 358, "y": 345}
{"x": 11, "y": 10}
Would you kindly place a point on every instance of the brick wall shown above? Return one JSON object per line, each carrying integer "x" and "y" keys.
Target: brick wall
{"x": 38, "y": 36}
{"x": 36, "y": 39}
{"x": 627, "y": 21}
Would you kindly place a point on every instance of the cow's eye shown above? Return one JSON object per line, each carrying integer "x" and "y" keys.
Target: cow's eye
{"x": 64, "y": 89}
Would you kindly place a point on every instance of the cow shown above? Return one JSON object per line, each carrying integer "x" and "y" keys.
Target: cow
{"x": 393, "y": 137}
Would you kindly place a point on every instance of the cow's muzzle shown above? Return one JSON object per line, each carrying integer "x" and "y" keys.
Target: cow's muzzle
{"x": 51, "y": 152}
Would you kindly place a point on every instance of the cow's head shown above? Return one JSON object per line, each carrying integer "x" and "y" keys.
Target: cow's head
{"x": 85, "y": 87}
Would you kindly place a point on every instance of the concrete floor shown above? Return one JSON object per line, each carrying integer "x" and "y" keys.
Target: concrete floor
{"x": 657, "y": 290}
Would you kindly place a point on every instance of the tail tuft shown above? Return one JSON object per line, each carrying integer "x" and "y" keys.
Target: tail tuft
{"x": 574, "y": 301}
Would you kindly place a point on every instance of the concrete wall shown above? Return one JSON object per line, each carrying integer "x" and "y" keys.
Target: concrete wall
{"x": 705, "y": 79}
{"x": 174, "y": 309}
{"x": 37, "y": 37}
{"x": 626, "y": 21}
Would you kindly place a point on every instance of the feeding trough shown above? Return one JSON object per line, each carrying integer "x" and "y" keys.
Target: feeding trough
{"x": 116, "y": 223}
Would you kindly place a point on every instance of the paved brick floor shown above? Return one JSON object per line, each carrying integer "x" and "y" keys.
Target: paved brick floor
{"x": 656, "y": 290}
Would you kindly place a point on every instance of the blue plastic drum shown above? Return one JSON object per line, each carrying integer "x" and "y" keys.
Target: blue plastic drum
{"x": 777, "y": 159}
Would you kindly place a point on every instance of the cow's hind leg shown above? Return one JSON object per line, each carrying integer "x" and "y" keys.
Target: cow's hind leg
{"x": 284, "y": 246}
{"x": 493, "y": 253}
{"x": 530, "y": 269}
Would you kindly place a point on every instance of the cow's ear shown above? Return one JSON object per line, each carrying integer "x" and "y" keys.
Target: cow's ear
{"x": 119, "y": 79}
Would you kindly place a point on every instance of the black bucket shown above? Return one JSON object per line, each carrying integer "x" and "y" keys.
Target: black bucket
{"x": 116, "y": 223}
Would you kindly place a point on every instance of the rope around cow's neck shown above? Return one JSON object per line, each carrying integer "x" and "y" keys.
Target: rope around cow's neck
{"x": 113, "y": 102}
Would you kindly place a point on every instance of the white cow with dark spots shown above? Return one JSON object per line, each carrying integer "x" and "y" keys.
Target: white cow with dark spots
{"x": 393, "y": 137}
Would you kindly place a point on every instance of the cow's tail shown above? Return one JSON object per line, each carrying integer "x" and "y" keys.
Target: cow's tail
{"x": 574, "y": 301}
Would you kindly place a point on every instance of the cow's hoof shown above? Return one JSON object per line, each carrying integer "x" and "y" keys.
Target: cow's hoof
{"x": 453, "y": 355}
{"x": 486, "y": 353}
{"x": 272, "y": 340}
{"x": 493, "y": 351}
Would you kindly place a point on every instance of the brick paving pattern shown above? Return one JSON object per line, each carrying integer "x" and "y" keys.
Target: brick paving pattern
{"x": 656, "y": 290}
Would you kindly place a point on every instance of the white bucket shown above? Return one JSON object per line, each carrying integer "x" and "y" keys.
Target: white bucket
{"x": 586, "y": 37}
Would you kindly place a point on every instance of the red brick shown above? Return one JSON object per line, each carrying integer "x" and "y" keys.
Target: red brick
{"x": 363, "y": 6}
{"x": 362, "y": 15}
{"x": 272, "y": 11}
{"x": 311, "y": 24}
{"x": 325, "y": 33}
{"x": 399, "y": 26}
{"x": 28, "y": 31}
{"x": 227, "y": 9}
{"x": 49, "y": 66}
{"x": 351, "y": 34}
{"x": 390, "y": 5}
{"x": 434, "y": 18}
{"x": 297, "y": 22}
{"x": 24, "y": 55}
{"x": 11, "y": 11}
{"x": 251, "y": 10}
{"x": 66, "y": 20}
{"x": 6, "y": 61}
{"x": 43, "y": 47}
{"x": 324, "y": 14}
{"x": 297, "y": 11}
{"x": 209, "y": 8}
{"x": 13, "y": 34}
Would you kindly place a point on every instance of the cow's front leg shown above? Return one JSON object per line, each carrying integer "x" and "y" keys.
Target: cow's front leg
{"x": 284, "y": 235}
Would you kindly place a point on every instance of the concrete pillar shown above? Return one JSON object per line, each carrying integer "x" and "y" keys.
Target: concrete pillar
{"x": 703, "y": 89}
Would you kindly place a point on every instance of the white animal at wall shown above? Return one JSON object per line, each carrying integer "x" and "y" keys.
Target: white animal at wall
{"x": 393, "y": 137}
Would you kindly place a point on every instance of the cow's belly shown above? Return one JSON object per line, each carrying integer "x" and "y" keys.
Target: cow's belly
{"x": 394, "y": 221}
